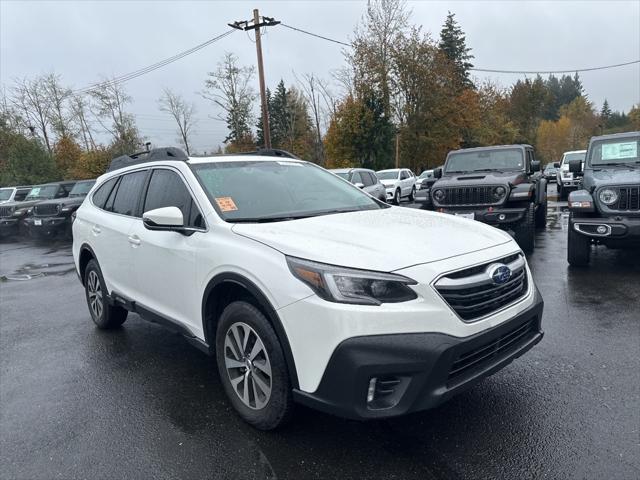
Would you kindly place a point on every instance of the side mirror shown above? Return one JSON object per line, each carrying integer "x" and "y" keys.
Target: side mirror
{"x": 575, "y": 166}
{"x": 359, "y": 185}
{"x": 535, "y": 166}
{"x": 437, "y": 172}
{"x": 166, "y": 218}
{"x": 556, "y": 164}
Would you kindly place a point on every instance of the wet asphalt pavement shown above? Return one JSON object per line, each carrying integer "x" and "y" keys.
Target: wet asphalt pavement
{"x": 76, "y": 402}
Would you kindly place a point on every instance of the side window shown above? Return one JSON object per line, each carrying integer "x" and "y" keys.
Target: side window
{"x": 166, "y": 189}
{"x": 374, "y": 178}
{"x": 404, "y": 175}
{"x": 128, "y": 193}
{"x": 102, "y": 193}
{"x": 356, "y": 178}
{"x": 20, "y": 195}
{"x": 367, "y": 179}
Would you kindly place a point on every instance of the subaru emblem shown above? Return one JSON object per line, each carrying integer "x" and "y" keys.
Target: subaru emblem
{"x": 499, "y": 273}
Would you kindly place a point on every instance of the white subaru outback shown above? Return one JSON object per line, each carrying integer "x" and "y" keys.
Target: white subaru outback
{"x": 303, "y": 287}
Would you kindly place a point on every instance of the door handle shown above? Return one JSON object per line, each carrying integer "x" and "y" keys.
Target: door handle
{"x": 134, "y": 240}
{"x": 96, "y": 230}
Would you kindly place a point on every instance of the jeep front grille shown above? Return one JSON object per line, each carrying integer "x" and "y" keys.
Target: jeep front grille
{"x": 462, "y": 196}
{"x": 628, "y": 199}
{"x": 46, "y": 209}
{"x": 6, "y": 211}
{"x": 473, "y": 294}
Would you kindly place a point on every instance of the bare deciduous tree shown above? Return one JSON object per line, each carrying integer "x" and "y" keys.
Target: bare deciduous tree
{"x": 59, "y": 111}
{"x": 312, "y": 88}
{"x": 181, "y": 111}
{"x": 31, "y": 100}
{"x": 80, "y": 109}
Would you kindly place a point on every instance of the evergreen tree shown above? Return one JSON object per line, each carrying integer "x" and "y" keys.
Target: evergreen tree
{"x": 453, "y": 45}
{"x": 279, "y": 119}
{"x": 605, "y": 114}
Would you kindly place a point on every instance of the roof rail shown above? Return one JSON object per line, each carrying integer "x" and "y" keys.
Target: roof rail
{"x": 153, "y": 155}
{"x": 269, "y": 152}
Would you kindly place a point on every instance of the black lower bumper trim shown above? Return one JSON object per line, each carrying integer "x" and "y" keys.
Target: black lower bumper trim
{"x": 427, "y": 366}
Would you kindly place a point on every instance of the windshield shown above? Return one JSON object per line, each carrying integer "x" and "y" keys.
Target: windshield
{"x": 573, "y": 156}
{"x": 502, "y": 159}
{"x": 80, "y": 189}
{"x": 388, "y": 174}
{"x": 262, "y": 191}
{"x": 42, "y": 191}
{"x": 614, "y": 152}
{"x": 5, "y": 194}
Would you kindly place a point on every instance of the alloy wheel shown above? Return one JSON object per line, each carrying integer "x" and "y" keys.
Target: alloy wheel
{"x": 248, "y": 365}
{"x": 94, "y": 290}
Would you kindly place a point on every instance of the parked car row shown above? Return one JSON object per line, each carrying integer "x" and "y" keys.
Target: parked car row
{"x": 44, "y": 211}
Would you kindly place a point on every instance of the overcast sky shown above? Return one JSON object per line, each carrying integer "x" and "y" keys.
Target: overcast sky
{"x": 83, "y": 41}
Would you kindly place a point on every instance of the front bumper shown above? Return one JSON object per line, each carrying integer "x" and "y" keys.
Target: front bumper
{"x": 9, "y": 226}
{"x": 423, "y": 195}
{"x": 569, "y": 183}
{"x": 618, "y": 230}
{"x": 417, "y": 371}
{"x": 46, "y": 226}
{"x": 495, "y": 216}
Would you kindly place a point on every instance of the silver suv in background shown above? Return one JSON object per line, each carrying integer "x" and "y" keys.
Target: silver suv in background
{"x": 13, "y": 194}
{"x": 399, "y": 183}
{"x": 566, "y": 180}
{"x": 364, "y": 179}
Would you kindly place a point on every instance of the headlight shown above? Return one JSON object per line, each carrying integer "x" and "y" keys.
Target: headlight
{"x": 439, "y": 195}
{"x": 499, "y": 192}
{"x": 67, "y": 208}
{"x": 346, "y": 285}
{"x": 608, "y": 196}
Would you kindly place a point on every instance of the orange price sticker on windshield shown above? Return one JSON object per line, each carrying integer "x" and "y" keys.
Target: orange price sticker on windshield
{"x": 226, "y": 204}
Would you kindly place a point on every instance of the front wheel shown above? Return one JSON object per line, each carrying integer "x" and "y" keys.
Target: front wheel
{"x": 562, "y": 192}
{"x": 525, "y": 233}
{"x": 541, "y": 215}
{"x": 396, "y": 197}
{"x": 412, "y": 195}
{"x": 252, "y": 367}
{"x": 578, "y": 248}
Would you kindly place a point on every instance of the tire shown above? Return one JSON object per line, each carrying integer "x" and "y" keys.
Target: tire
{"x": 396, "y": 197}
{"x": 105, "y": 316}
{"x": 541, "y": 215}
{"x": 412, "y": 195}
{"x": 263, "y": 408}
{"x": 578, "y": 248}
{"x": 562, "y": 193}
{"x": 525, "y": 232}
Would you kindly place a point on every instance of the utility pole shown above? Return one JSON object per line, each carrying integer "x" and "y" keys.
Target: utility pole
{"x": 398, "y": 149}
{"x": 257, "y": 24}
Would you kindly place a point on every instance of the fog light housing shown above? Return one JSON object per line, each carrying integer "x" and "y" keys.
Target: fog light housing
{"x": 502, "y": 217}
{"x": 602, "y": 229}
{"x": 371, "y": 392}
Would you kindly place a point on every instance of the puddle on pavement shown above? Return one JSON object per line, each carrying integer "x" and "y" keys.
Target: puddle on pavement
{"x": 30, "y": 271}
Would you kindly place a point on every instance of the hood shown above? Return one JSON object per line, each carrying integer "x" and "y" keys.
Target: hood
{"x": 64, "y": 202}
{"x": 30, "y": 203}
{"x": 611, "y": 176}
{"x": 388, "y": 183}
{"x": 481, "y": 179}
{"x": 383, "y": 240}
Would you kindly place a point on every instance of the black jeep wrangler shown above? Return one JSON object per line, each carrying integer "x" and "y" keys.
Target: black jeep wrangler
{"x": 606, "y": 210}
{"x": 12, "y": 214}
{"x": 501, "y": 186}
{"x": 52, "y": 217}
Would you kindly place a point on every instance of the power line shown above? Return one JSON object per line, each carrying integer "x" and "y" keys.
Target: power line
{"x": 485, "y": 70}
{"x": 150, "y": 68}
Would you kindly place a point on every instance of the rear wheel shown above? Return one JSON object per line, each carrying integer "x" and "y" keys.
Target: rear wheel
{"x": 105, "y": 316}
{"x": 525, "y": 232}
{"x": 252, "y": 367}
{"x": 578, "y": 248}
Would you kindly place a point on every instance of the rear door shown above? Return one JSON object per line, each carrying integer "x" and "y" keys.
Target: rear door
{"x": 165, "y": 262}
{"x": 109, "y": 228}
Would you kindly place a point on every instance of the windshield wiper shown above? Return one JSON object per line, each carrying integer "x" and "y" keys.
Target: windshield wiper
{"x": 488, "y": 170}
{"x": 283, "y": 218}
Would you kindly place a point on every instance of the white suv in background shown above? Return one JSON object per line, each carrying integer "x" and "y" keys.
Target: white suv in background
{"x": 565, "y": 180}
{"x": 279, "y": 269}
{"x": 399, "y": 183}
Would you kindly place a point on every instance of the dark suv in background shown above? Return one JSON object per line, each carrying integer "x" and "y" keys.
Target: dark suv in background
{"x": 51, "y": 217}
{"x": 606, "y": 210}
{"x": 12, "y": 214}
{"x": 500, "y": 185}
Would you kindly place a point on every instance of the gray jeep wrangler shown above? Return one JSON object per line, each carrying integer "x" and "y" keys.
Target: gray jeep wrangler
{"x": 501, "y": 186}
{"x": 606, "y": 210}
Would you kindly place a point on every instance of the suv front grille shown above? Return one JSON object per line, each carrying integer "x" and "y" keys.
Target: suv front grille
{"x": 459, "y": 196}
{"x": 45, "y": 210}
{"x": 628, "y": 199}
{"x": 472, "y": 293}
{"x": 6, "y": 211}
{"x": 492, "y": 350}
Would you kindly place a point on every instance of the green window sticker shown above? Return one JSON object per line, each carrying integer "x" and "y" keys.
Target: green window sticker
{"x": 616, "y": 151}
